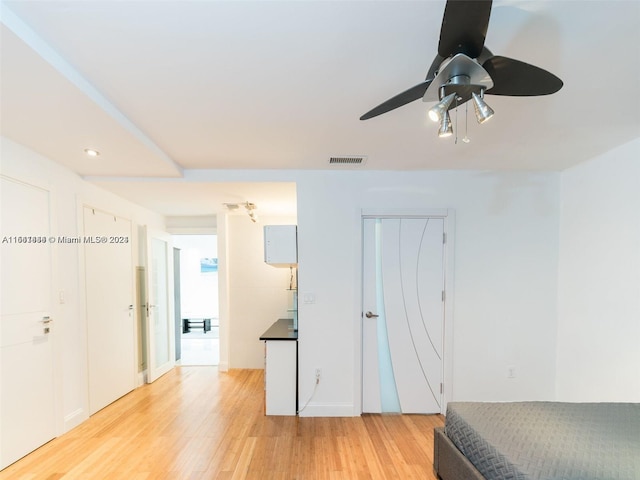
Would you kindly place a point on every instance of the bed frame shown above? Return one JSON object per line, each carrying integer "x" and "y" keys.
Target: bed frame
{"x": 448, "y": 462}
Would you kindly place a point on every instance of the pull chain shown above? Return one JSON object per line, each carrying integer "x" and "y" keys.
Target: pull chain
{"x": 466, "y": 123}
{"x": 456, "y": 139}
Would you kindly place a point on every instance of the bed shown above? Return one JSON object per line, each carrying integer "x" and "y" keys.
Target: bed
{"x": 538, "y": 440}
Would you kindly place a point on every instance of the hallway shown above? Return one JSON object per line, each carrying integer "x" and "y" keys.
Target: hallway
{"x": 198, "y": 348}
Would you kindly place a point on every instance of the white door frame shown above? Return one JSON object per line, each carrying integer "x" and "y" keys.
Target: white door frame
{"x": 448, "y": 216}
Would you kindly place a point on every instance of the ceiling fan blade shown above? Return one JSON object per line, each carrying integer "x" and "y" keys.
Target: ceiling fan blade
{"x": 435, "y": 66}
{"x": 515, "y": 78}
{"x": 414, "y": 93}
{"x": 464, "y": 27}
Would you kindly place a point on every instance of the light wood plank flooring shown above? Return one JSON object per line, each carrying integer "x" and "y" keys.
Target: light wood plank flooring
{"x": 197, "y": 423}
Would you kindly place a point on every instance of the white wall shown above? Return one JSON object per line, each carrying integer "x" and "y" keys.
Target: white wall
{"x": 505, "y": 298}
{"x": 257, "y": 292}
{"x": 68, "y": 191}
{"x": 599, "y": 279}
{"x": 505, "y": 295}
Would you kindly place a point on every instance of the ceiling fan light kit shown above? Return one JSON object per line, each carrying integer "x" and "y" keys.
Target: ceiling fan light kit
{"x": 464, "y": 69}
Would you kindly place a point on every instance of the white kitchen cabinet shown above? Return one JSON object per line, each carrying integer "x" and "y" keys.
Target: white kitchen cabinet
{"x": 280, "y": 370}
{"x": 281, "y": 245}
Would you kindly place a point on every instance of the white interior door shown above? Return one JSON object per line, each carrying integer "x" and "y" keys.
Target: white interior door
{"x": 160, "y": 331}
{"x": 403, "y": 314}
{"x": 111, "y": 326}
{"x": 27, "y": 418}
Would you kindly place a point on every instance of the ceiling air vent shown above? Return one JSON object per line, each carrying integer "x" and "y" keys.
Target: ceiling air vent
{"x": 348, "y": 160}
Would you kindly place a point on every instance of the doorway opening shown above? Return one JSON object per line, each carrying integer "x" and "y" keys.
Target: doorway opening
{"x": 196, "y": 299}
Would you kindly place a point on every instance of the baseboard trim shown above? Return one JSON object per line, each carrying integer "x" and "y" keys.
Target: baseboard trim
{"x": 74, "y": 419}
{"x": 328, "y": 410}
{"x": 223, "y": 367}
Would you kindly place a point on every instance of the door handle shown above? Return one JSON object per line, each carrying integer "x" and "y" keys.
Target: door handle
{"x": 149, "y": 307}
{"x": 46, "y": 320}
{"x": 371, "y": 315}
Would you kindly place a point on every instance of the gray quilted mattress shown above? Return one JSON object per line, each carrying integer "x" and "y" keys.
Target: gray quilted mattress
{"x": 548, "y": 440}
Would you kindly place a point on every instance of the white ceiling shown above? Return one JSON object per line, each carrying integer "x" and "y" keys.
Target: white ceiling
{"x": 164, "y": 87}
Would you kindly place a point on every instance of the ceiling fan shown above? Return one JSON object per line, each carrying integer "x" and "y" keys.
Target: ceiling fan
{"x": 464, "y": 69}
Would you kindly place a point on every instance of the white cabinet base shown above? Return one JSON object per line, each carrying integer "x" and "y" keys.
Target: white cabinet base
{"x": 280, "y": 377}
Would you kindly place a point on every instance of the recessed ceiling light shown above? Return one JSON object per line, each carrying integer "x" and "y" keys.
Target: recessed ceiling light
{"x": 91, "y": 152}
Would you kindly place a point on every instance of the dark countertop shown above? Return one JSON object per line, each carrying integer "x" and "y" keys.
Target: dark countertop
{"x": 280, "y": 330}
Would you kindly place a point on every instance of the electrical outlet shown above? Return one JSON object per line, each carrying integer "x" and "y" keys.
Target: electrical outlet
{"x": 511, "y": 372}
{"x": 318, "y": 373}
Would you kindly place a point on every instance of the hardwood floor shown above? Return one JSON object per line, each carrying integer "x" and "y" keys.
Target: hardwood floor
{"x": 196, "y": 423}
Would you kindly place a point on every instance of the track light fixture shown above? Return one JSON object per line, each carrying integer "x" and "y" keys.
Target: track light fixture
{"x": 251, "y": 207}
